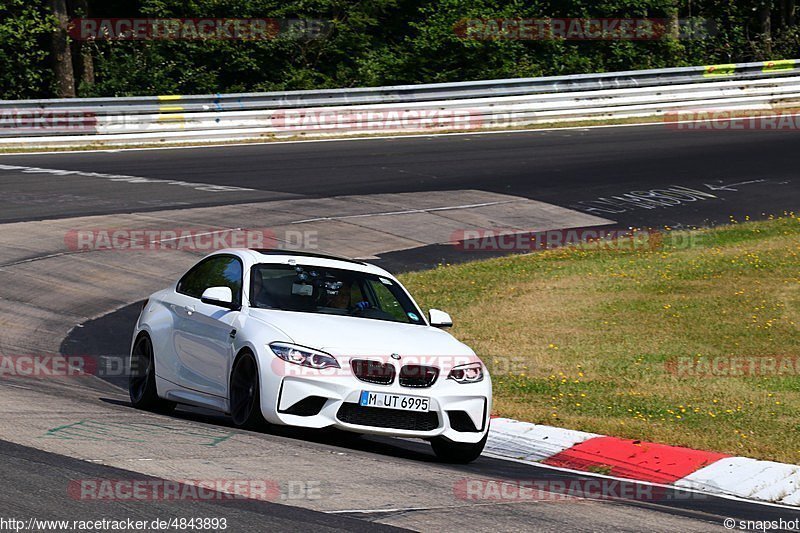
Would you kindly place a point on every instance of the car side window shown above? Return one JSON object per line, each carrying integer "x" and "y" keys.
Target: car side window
{"x": 217, "y": 271}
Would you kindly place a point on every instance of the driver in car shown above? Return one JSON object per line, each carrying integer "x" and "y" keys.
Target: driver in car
{"x": 260, "y": 296}
{"x": 342, "y": 297}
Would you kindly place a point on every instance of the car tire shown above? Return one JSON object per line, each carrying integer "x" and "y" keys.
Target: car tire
{"x": 448, "y": 451}
{"x": 245, "y": 394}
{"x": 142, "y": 379}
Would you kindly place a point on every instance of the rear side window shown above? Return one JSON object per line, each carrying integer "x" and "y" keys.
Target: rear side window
{"x": 217, "y": 271}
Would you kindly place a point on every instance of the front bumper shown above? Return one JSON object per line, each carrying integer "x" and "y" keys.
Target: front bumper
{"x": 459, "y": 412}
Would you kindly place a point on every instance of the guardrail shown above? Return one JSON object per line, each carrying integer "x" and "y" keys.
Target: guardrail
{"x": 400, "y": 109}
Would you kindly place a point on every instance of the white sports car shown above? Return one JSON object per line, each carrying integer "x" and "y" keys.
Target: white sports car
{"x": 309, "y": 340}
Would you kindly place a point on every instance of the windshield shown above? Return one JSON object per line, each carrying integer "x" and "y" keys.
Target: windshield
{"x": 332, "y": 291}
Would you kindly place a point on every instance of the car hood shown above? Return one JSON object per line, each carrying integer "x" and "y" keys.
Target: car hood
{"x": 344, "y": 335}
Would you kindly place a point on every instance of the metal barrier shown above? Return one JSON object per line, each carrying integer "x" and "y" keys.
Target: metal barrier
{"x": 475, "y": 105}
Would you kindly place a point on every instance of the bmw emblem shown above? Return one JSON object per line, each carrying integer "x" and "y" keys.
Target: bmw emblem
{"x": 395, "y": 356}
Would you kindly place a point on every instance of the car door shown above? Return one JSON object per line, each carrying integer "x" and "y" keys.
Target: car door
{"x": 203, "y": 333}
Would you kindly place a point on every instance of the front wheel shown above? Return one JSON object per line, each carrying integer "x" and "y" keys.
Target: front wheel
{"x": 142, "y": 381}
{"x": 457, "y": 452}
{"x": 245, "y": 394}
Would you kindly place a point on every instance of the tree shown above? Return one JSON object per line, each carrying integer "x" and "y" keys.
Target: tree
{"x": 25, "y": 28}
{"x": 366, "y": 43}
{"x": 61, "y": 54}
{"x": 83, "y": 62}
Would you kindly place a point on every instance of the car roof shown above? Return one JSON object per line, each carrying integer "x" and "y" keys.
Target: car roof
{"x": 305, "y": 253}
{"x": 304, "y": 257}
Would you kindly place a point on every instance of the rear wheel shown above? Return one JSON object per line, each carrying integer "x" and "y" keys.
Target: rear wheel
{"x": 457, "y": 452}
{"x": 245, "y": 393}
{"x": 142, "y": 381}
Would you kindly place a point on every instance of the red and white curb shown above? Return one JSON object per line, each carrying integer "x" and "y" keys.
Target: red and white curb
{"x": 711, "y": 472}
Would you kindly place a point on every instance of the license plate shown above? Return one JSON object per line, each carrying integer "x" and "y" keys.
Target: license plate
{"x": 394, "y": 401}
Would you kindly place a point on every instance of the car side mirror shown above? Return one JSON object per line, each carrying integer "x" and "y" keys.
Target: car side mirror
{"x": 439, "y": 319}
{"x": 219, "y": 296}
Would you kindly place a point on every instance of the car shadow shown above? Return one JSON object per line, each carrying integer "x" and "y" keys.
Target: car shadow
{"x": 416, "y": 450}
{"x": 111, "y": 334}
{"x": 105, "y": 343}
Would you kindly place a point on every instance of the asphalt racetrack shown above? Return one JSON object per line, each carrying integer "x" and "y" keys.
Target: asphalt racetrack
{"x": 53, "y": 300}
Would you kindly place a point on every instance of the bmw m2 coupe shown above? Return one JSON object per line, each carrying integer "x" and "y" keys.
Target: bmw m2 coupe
{"x": 309, "y": 340}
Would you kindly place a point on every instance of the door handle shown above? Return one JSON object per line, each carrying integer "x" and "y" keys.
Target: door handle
{"x": 189, "y": 309}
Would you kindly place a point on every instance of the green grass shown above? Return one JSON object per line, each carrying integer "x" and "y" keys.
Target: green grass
{"x": 582, "y": 337}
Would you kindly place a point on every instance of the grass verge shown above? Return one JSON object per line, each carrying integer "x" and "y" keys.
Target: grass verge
{"x": 588, "y": 337}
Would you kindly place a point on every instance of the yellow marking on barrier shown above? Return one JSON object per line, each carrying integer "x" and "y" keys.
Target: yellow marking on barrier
{"x": 780, "y": 65}
{"x": 713, "y": 71}
{"x": 170, "y": 108}
{"x": 169, "y": 97}
{"x": 174, "y": 118}
{"x": 171, "y": 117}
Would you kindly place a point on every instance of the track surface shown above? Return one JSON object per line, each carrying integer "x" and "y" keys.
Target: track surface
{"x": 569, "y": 168}
{"x": 31, "y": 489}
{"x": 563, "y": 167}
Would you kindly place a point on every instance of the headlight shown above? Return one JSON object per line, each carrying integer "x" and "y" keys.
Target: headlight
{"x": 304, "y": 356}
{"x": 471, "y": 373}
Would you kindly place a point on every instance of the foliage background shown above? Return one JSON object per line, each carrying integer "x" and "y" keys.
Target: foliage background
{"x": 372, "y": 42}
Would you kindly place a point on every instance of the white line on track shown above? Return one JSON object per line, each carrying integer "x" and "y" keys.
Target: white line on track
{"x": 206, "y": 187}
{"x": 406, "y": 212}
